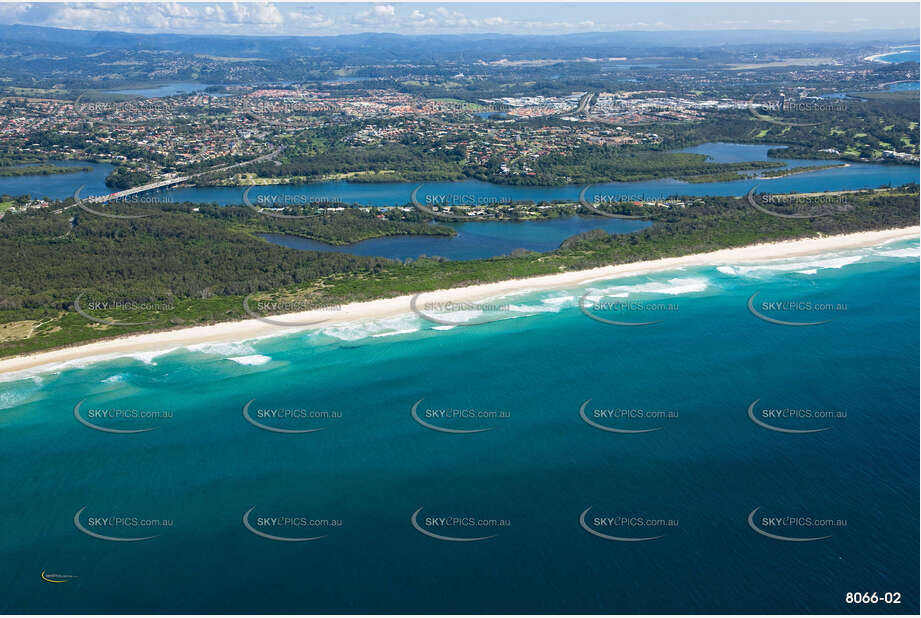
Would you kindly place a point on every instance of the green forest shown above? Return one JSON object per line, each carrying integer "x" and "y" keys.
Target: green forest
{"x": 196, "y": 267}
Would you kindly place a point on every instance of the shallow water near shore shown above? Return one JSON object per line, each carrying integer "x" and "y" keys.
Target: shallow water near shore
{"x": 537, "y": 469}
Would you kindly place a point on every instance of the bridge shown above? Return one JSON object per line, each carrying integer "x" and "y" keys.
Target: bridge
{"x": 101, "y": 199}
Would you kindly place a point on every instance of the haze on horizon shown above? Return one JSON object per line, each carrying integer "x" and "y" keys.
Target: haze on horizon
{"x": 267, "y": 18}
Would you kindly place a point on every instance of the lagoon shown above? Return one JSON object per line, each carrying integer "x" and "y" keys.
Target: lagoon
{"x": 474, "y": 240}
{"x": 164, "y": 90}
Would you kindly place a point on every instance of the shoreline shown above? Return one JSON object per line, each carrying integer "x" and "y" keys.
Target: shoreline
{"x": 892, "y": 50}
{"x": 244, "y": 330}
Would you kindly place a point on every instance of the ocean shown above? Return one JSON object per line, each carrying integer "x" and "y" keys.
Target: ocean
{"x": 537, "y": 463}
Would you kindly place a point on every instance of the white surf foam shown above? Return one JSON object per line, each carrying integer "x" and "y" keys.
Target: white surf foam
{"x": 222, "y": 349}
{"x": 670, "y": 287}
{"x": 252, "y": 359}
{"x": 354, "y": 331}
{"x": 782, "y": 266}
{"x": 908, "y": 252}
{"x": 397, "y": 332}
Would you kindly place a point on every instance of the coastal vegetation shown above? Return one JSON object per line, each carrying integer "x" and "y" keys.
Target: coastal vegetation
{"x": 189, "y": 265}
{"x": 42, "y": 170}
{"x": 798, "y": 170}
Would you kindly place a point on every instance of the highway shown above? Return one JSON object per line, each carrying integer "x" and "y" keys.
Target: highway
{"x": 101, "y": 199}
{"x": 585, "y": 104}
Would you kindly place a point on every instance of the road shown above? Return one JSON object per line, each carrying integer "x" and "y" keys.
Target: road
{"x": 178, "y": 179}
{"x": 585, "y": 104}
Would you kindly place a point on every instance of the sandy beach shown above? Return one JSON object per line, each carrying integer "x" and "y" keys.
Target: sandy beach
{"x": 253, "y": 329}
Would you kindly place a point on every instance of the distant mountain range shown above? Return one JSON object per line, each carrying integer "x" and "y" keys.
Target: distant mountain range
{"x": 462, "y": 47}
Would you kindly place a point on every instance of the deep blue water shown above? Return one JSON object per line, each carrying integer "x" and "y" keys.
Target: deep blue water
{"x": 60, "y": 186}
{"x": 908, "y": 54}
{"x": 538, "y": 469}
{"x": 898, "y": 86}
{"x": 473, "y": 240}
{"x": 893, "y": 87}
{"x": 855, "y": 176}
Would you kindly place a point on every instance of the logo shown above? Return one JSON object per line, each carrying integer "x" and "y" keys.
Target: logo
{"x": 619, "y": 413}
{"x": 637, "y": 522}
{"x": 112, "y": 521}
{"x": 782, "y": 414}
{"x": 110, "y": 108}
{"x": 780, "y": 106}
{"x": 460, "y": 307}
{"x": 454, "y": 414}
{"x": 791, "y": 521}
{"x": 286, "y": 105}
{"x": 120, "y": 304}
{"x": 623, "y": 306}
{"x": 117, "y": 414}
{"x": 829, "y": 209}
{"x": 432, "y": 213}
{"x": 455, "y": 522}
{"x": 285, "y": 307}
{"x": 587, "y": 205}
{"x": 80, "y": 204}
{"x": 269, "y": 212}
{"x": 57, "y": 578}
{"x": 286, "y": 522}
{"x": 789, "y": 306}
{"x": 282, "y": 414}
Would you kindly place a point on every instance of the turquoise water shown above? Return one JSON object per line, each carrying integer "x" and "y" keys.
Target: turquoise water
{"x": 855, "y": 176}
{"x": 538, "y": 469}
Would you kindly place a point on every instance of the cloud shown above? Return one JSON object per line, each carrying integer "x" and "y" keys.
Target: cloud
{"x": 377, "y": 15}
{"x": 283, "y": 18}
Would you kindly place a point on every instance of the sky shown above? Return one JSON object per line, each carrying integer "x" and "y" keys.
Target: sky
{"x": 280, "y": 18}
